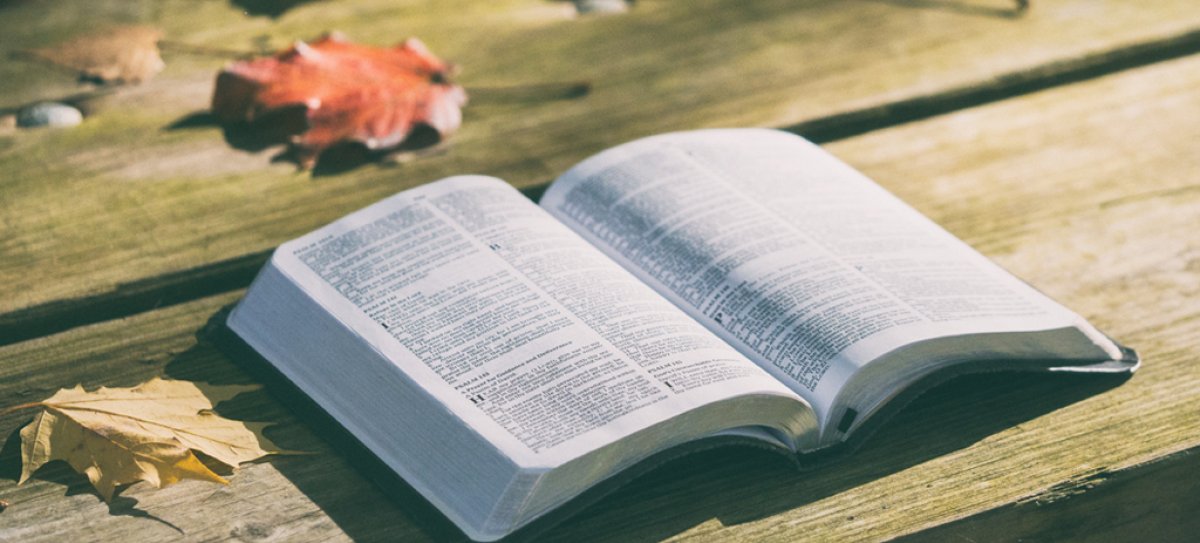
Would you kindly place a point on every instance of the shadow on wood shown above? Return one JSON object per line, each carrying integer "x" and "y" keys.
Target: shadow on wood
{"x": 270, "y": 8}
{"x": 732, "y": 484}
{"x": 738, "y": 486}
{"x": 276, "y": 128}
{"x": 1156, "y": 501}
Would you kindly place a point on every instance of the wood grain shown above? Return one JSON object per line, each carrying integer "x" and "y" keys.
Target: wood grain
{"x": 1156, "y": 501}
{"x": 1089, "y": 192}
{"x": 145, "y": 189}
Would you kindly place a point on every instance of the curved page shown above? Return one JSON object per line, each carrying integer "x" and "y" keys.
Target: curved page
{"x": 797, "y": 260}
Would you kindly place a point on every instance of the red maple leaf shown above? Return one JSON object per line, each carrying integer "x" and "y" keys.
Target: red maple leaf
{"x": 348, "y": 92}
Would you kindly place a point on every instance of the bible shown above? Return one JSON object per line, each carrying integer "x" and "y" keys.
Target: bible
{"x": 690, "y": 289}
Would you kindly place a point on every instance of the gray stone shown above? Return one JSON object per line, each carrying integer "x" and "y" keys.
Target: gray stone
{"x": 601, "y": 6}
{"x": 48, "y": 114}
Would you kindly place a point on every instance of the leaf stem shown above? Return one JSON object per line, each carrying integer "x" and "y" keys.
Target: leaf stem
{"x": 19, "y": 407}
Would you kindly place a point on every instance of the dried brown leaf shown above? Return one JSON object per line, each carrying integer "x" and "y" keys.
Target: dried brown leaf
{"x": 119, "y": 436}
{"x": 124, "y": 54}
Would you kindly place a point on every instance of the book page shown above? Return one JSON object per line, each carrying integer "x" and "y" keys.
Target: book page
{"x": 791, "y": 256}
{"x": 525, "y": 331}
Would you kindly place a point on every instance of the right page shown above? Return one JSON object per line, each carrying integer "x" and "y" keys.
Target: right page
{"x": 795, "y": 259}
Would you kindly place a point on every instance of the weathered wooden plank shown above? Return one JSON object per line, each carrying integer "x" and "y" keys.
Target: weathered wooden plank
{"x": 97, "y": 210}
{"x": 1088, "y": 191}
{"x": 1156, "y": 501}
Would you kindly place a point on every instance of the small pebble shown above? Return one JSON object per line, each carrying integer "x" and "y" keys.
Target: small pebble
{"x": 48, "y": 114}
{"x": 601, "y": 6}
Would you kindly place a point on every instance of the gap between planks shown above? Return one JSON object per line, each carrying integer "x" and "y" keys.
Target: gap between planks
{"x": 235, "y": 273}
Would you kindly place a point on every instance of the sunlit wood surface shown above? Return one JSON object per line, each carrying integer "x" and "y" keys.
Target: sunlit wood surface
{"x": 1062, "y": 142}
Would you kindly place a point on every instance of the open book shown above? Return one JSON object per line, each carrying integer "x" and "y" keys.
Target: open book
{"x": 504, "y": 356}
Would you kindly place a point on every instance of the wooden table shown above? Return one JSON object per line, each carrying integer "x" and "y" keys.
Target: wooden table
{"x": 1063, "y": 142}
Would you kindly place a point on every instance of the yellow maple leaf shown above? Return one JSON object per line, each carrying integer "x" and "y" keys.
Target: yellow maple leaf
{"x": 119, "y": 436}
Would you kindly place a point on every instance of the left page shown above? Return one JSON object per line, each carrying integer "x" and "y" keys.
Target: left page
{"x": 530, "y": 335}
